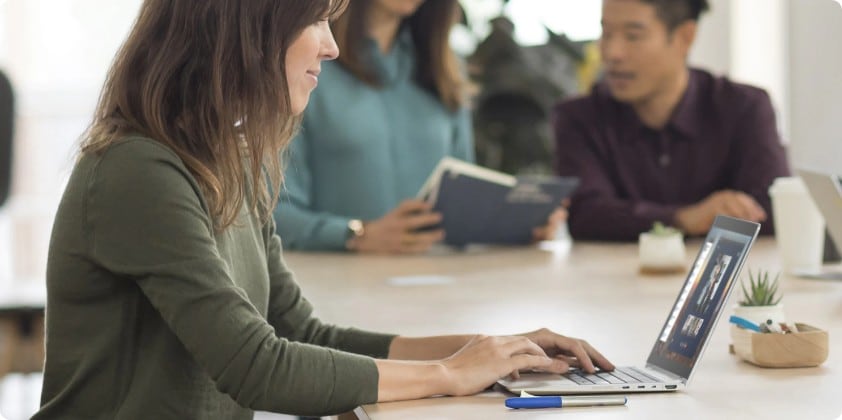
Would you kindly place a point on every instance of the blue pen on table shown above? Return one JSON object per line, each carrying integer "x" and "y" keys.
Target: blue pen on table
{"x": 566, "y": 401}
{"x": 744, "y": 323}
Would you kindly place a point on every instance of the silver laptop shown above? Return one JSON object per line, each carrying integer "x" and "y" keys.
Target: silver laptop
{"x": 826, "y": 190}
{"x": 685, "y": 334}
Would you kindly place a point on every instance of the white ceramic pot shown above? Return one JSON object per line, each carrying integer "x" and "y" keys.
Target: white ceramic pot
{"x": 759, "y": 314}
{"x": 661, "y": 253}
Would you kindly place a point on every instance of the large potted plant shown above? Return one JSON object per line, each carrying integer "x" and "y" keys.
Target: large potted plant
{"x": 761, "y": 300}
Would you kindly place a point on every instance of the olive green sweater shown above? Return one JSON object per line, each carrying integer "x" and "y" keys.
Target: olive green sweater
{"x": 152, "y": 315}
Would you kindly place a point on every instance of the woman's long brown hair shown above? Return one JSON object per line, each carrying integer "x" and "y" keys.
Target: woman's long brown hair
{"x": 207, "y": 78}
{"x": 437, "y": 67}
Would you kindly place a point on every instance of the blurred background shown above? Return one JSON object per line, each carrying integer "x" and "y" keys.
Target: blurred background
{"x": 56, "y": 52}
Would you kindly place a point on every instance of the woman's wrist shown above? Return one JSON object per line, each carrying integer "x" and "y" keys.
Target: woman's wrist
{"x": 441, "y": 379}
{"x": 355, "y": 232}
{"x": 405, "y": 380}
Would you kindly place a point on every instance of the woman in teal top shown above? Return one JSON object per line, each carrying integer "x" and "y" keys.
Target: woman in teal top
{"x": 167, "y": 294}
{"x": 387, "y": 111}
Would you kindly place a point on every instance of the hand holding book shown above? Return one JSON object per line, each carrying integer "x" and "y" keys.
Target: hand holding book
{"x": 547, "y": 231}
{"x": 401, "y": 231}
{"x": 480, "y": 205}
{"x": 463, "y": 203}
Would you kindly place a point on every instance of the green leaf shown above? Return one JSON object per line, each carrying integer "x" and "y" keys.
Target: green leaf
{"x": 660, "y": 229}
{"x": 761, "y": 291}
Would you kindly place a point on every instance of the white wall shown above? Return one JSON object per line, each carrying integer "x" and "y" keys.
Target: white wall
{"x": 712, "y": 49}
{"x": 791, "y": 48}
{"x": 760, "y": 51}
{"x": 747, "y": 40}
{"x": 816, "y": 84}
{"x": 56, "y": 53}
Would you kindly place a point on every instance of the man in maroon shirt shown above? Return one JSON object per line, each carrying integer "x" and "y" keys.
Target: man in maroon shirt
{"x": 658, "y": 141}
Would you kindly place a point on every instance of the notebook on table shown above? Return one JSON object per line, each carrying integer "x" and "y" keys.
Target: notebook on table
{"x": 685, "y": 334}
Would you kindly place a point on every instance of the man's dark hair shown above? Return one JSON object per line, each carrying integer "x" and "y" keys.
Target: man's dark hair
{"x": 675, "y": 12}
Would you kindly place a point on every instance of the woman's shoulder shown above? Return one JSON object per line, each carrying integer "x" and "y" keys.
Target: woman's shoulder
{"x": 134, "y": 159}
{"x": 137, "y": 147}
{"x": 132, "y": 153}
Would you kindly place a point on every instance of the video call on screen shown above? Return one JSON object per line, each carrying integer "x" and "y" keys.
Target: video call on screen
{"x": 701, "y": 298}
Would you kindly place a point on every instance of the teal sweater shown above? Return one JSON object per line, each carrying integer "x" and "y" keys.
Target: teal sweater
{"x": 362, "y": 149}
{"x": 151, "y": 315}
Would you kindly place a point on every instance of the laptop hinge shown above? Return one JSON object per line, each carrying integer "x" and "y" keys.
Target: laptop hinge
{"x": 666, "y": 374}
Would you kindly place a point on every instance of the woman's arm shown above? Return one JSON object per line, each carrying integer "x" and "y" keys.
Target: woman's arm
{"x": 291, "y": 314}
{"x": 300, "y": 224}
{"x": 427, "y": 348}
{"x": 146, "y": 223}
{"x": 463, "y": 135}
{"x": 474, "y": 367}
{"x": 467, "y": 364}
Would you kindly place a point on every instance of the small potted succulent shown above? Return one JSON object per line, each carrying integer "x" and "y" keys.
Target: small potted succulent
{"x": 761, "y": 304}
{"x": 661, "y": 250}
{"x": 761, "y": 300}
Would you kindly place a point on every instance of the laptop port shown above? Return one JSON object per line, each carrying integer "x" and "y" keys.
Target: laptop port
{"x": 625, "y": 387}
{"x": 671, "y": 386}
{"x": 641, "y": 386}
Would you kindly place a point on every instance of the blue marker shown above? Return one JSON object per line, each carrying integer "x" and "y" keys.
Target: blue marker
{"x": 744, "y": 323}
{"x": 566, "y": 401}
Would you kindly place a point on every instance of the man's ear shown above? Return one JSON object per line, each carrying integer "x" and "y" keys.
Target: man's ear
{"x": 684, "y": 35}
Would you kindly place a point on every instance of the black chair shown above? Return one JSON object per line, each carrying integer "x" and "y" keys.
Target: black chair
{"x": 7, "y": 112}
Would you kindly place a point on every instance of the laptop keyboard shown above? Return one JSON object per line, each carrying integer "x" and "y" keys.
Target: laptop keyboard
{"x": 620, "y": 375}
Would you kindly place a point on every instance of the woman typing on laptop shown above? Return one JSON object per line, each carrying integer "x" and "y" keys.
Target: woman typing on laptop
{"x": 167, "y": 294}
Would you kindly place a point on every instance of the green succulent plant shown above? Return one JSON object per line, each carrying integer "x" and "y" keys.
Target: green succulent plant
{"x": 660, "y": 229}
{"x": 761, "y": 291}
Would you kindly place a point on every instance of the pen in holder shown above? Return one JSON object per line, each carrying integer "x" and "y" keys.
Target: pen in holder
{"x": 806, "y": 347}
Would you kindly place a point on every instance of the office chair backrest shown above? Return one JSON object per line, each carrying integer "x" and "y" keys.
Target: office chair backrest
{"x": 7, "y": 118}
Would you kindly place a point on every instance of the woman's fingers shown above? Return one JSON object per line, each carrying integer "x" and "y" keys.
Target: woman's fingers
{"x": 585, "y": 355}
{"x": 529, "y": 361}
{"x": 597, "y": 357}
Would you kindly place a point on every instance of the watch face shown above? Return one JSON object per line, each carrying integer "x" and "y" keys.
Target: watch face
{"x": 355, "y": 226}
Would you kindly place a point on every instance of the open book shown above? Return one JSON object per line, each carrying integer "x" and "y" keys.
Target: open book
{"x": 481, "y": 205}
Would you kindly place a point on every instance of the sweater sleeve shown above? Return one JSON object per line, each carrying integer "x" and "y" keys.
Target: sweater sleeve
{"x": 297, "y": 222}
{"x": 463, "y": 135}
{"x": 147, "y": 222}
{"x": 291, "y": 314}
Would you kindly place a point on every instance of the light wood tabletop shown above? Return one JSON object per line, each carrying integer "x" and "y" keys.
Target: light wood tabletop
{"x": 588, "y": 290}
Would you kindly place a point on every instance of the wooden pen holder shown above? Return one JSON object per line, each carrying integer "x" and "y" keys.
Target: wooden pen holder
{"x": 807, "y": 347}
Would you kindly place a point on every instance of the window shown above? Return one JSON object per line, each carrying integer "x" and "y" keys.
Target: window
{"x": 579, "y": 20}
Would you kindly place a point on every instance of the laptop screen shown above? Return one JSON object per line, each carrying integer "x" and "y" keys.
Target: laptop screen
{"x": 826, "y": 191}
{"x": 705, "y": 291}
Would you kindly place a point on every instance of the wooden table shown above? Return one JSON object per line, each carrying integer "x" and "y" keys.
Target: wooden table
{"x": 588, "y": 290}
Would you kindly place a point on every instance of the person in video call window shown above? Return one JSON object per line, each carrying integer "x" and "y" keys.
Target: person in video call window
{"x": 656, "y": 140}
{"x": 388, "y": 110}
{"x": 167, "y": 293}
